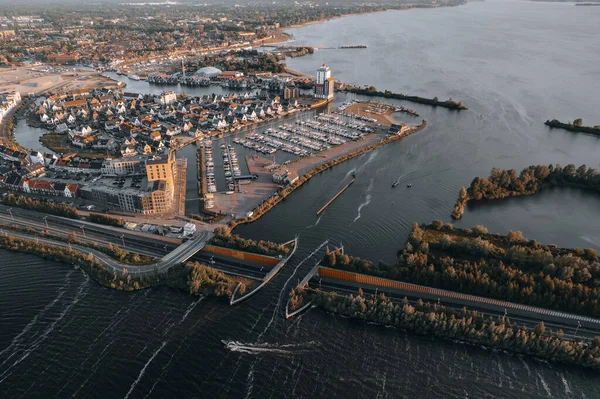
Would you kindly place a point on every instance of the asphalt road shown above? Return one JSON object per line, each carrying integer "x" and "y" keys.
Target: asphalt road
{"x": 175, "y": 257}
{"x": 146, "y": 244}
{"x": 569, "y": 326}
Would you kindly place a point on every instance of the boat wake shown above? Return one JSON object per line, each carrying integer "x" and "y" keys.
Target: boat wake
{"x": 189, "y": 309}
{"x": 367, "y": 200}
{"x": 315, "y": 223}
{"x": 143, "y": 371}
{"x": 591, "y": 240}
{"x": 267, "y": 348}
{"x": 371, "y": 158}
{"x": 350, "y": 172}
{"x": 284, "y": 289}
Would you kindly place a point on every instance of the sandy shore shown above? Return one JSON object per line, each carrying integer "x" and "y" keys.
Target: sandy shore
{"x": 320, "y": 21}
{"x": 27, "y": 80}
{"x": 378, "y": 111}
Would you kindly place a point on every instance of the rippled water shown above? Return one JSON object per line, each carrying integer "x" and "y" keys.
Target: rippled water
{"x": 515, "y": 64}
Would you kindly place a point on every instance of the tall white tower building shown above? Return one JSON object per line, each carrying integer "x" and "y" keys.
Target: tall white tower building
{"x": 324, "y": 83}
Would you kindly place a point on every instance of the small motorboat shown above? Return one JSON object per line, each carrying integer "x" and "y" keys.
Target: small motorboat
{"x": 394, "y": 184}
{"x": 409, "y": 185}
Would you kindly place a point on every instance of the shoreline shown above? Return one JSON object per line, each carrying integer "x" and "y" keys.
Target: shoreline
{"x": 544, "y": 176}
{"x": 572, "y": 127}
{"x": 406, "y": 7}
{"x": 272, "y": 201}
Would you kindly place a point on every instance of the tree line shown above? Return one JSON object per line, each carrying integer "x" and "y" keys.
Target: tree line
{"x": 224, "y": 238}
{"x": 46, "y": 206}
{"x": 510, "y": 267}
{"x": 507, "y": 183}
{"x": 106, "y": 220}
{"x": 470, "y": 326}
{"x": 196, "y": 278}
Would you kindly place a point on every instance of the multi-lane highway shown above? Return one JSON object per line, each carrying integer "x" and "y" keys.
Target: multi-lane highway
{"x": 142, "y": 243}
{"x": 170, "y": 250}
{"x": 181, "y": 254}
{"x": 573, "y": 326}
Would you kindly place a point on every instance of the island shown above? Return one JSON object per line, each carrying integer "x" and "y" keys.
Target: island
{"x": 507, "y": 183}
{"x": 576, "y": 126}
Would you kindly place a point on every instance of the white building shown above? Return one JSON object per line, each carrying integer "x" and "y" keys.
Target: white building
{"x": 324, "y": 84}
{"x": 167, "y": 97}
{"x": 8, "y": 100}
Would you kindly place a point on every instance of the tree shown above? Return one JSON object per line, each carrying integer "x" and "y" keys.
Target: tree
{"x": 72, "y": 237}
{"x": 540, "y": 329}
{"x": 515, "y": 236}
{"x": 480, "y": 230}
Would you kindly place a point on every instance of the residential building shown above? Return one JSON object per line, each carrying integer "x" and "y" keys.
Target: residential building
{"x": 325, "y": 84}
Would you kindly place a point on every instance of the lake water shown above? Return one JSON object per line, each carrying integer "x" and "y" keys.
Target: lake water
{"x": 514, "y": 64}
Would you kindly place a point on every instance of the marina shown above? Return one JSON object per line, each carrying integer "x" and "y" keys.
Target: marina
{"x": 305, "y": 136}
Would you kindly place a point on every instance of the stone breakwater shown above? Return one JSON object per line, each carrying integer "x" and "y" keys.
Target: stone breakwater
{"x": 450, "y": 103}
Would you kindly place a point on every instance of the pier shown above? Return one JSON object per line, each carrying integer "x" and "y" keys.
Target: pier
{"x": 334, "y": 198}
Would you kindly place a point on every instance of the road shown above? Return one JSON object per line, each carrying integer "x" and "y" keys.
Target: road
{"x": 175, "y": 257}
{"x": 570, "y": 329}
{"x": 142, "y": 243}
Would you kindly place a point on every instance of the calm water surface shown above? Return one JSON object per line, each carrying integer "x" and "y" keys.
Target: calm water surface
{"x": 515, "y": 64}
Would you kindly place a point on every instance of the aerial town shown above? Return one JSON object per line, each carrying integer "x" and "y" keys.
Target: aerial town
{"x": 292, "y": 160}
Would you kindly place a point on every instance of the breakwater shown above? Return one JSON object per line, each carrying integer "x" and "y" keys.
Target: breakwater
{"x": 334, "y": 198}
{"x": 576, "y": 126}
{"x": 450, "y": 103}
{"x": 267, "y": 205}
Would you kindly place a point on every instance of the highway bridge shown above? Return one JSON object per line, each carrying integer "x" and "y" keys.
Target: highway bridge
{"x": 89, "y": 233}
{"x": 181, "y": 254}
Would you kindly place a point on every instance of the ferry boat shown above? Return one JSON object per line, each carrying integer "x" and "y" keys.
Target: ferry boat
{"x": 134, "y": 77}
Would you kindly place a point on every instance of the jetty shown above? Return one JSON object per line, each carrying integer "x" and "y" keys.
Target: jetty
{"x": 575, "y": 126}
{"x": 335, "y": 197}
{"x": 434, "y": 102}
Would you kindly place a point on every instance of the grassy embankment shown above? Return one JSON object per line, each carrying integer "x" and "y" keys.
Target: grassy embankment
{"x": 114, "y": 251}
